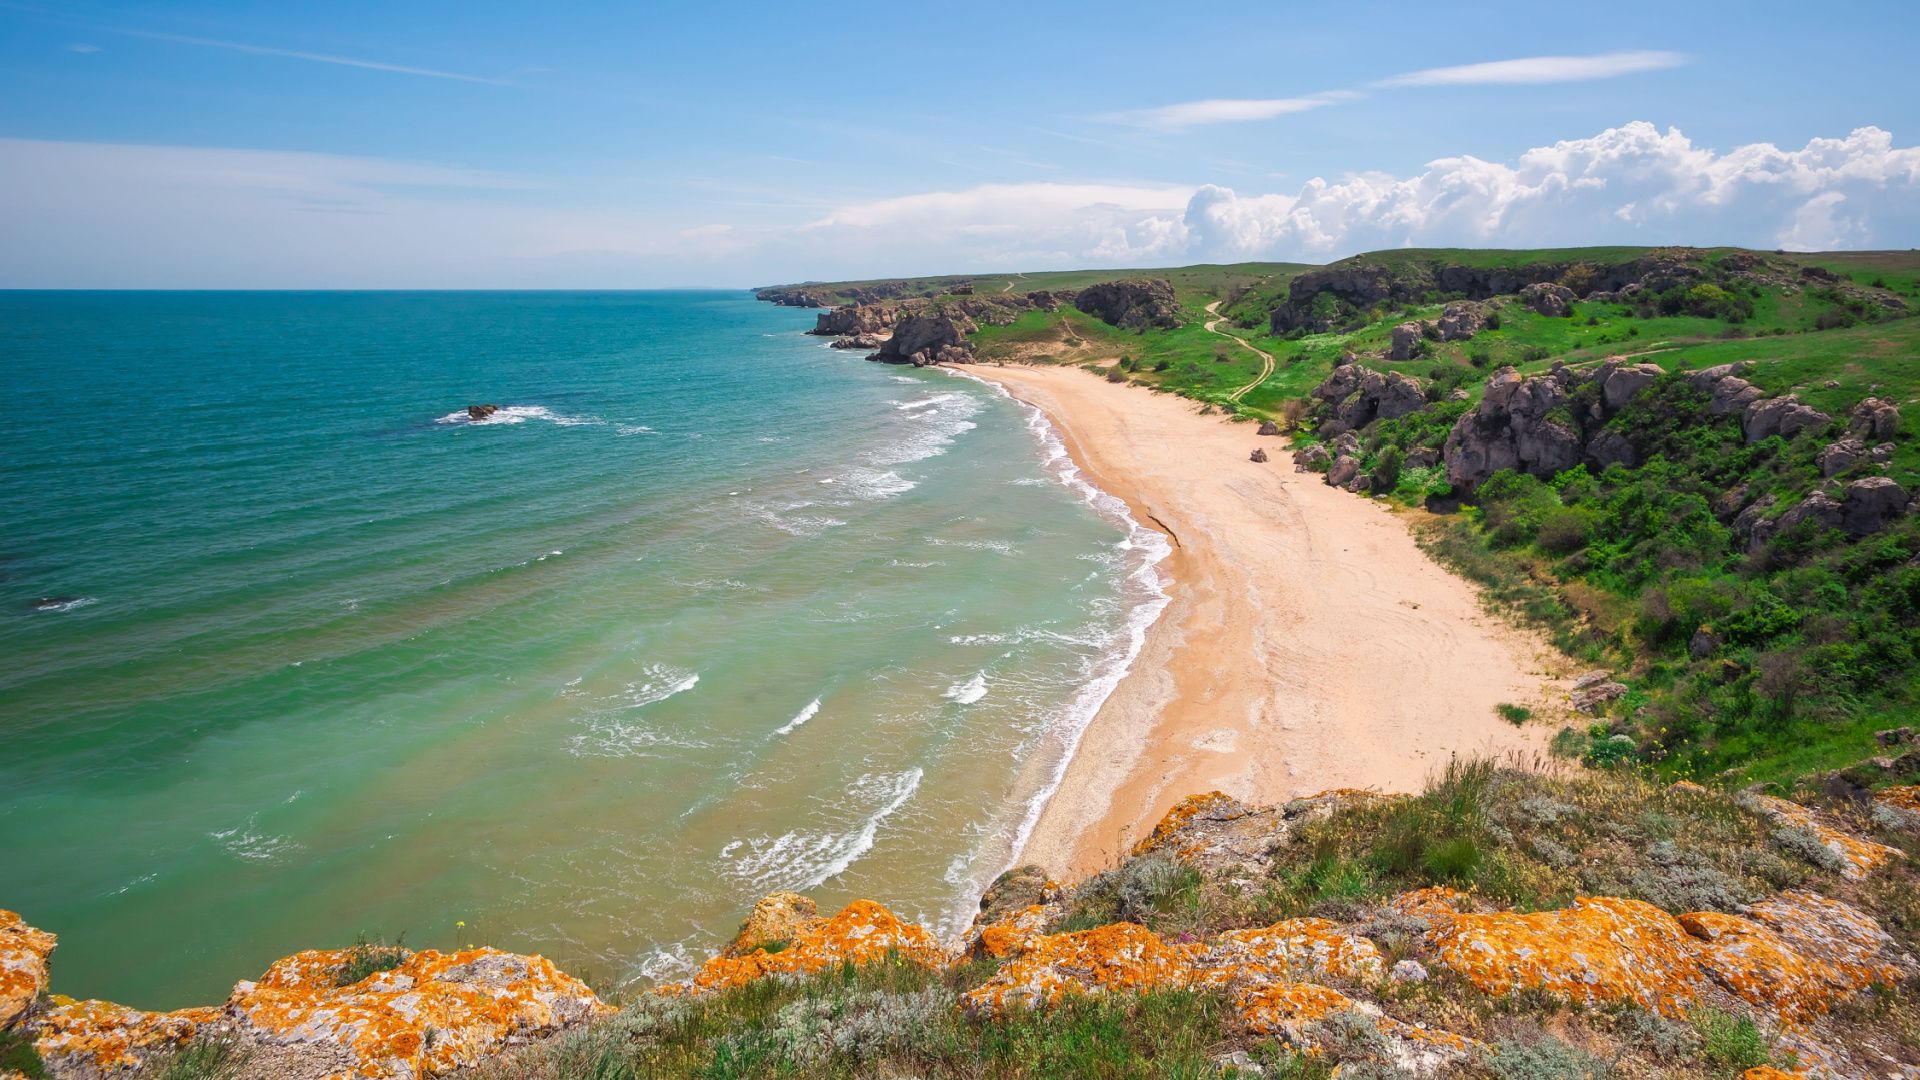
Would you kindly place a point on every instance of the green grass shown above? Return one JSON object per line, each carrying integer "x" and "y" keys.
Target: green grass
{"x": 17, "y": 1054}
{"x": 367, "y": 958}
{"x": 1513, "y": 714}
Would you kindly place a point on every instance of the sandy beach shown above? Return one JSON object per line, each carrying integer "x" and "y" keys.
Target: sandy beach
{"x": 1309, "y": 644}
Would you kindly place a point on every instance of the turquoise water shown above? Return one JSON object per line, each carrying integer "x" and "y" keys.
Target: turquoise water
{"x": 291, "y": 651}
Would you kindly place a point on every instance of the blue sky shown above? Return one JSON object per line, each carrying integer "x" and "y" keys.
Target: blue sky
{"x": 599, "y": 145}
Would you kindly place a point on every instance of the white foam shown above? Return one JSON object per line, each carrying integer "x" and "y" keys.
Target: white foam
{"x": 247, "y": 842}
{"x": 64, "y": 604}
{"x": 804, "y": 715}
{"x": 634, "y": 429}
{"x": 934, "y": 423}
{"x": 614, "y": 731}
{"x": 924, "y": 402}
{"x": 968, "y": 692}
{"x": 520, "y": 414}
{"x": 1145, "y": 597}
{"x": 800, "y": 860}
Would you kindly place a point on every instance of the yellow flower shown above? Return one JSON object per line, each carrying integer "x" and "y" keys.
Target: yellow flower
{"x": 460, "y": 923}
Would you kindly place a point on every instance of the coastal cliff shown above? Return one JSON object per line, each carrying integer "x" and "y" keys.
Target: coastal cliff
{"x": 1590, "y": 922}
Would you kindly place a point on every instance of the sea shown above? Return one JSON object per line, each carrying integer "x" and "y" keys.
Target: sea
{"x": 294, "y": 653}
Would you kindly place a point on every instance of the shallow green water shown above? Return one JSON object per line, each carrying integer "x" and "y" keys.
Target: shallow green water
{"x": 708, "y": 611}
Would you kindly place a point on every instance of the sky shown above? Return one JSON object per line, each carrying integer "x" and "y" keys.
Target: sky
{"x": 365, "y": 144}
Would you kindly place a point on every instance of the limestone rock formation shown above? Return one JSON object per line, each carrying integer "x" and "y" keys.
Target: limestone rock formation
{"x": 1358, "y": 395}
{"x": 1554, "y": 301}
{"x": 1406, "y": 340}
{"x": 1872, "y": 503}
{"x": 937, "y": 337}
{"x": 861, "y": 933}
{"x": 24, "y": 953}
{"x": 434, "y": 1013}
{"x": 1460, "y": 321}
{"x": 1785, "y": 416}
{"x": 1873, "y": 420}
{"x": 1131, "y": 303}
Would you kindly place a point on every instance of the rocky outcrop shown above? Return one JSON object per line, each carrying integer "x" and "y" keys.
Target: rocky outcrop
{"x": 1873, "y": 420}
{"x": 1460, "y": 321}
{"x": 1784, "y": 416}
{"x": 863, "y": 932}
{"x": 934, "y": 337}
{"x": 430, "y": 1015}
{"x": 1872, "y": 503}
{"x": 1406, "y": 341}
{"x": 853, "y": 319}
{"x": 1855, "y": 857}
{"x": 1553, "y": 301}
{"x": 1519, "y": 424}
{"x": 24, "y": 958}
{"x": 792, "y": 296}
{"x": 1227, "y": 839}
{"x": 1131, "y": 303}
{"x": 481, "y": 412}
{"x": 859, "y": 341}
{"x": 1357, "y": 395}
{"x": 1842, "y": 454}
{"x": 1594, "y": 691}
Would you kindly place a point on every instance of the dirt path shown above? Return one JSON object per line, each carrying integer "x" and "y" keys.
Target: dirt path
{"x": 1266, "y": 358}
{"x": 1008, "y": 287}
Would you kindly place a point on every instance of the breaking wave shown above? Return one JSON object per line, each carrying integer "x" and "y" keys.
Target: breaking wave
{"x": 804, "y": 715}
{"x": 800, "y": 860}
{"x": 966, "y": 693}
{"x": 520, "y": 414}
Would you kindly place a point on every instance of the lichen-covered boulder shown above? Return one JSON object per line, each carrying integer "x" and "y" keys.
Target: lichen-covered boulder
{"x": 434, "y": 1013}
{"x": 1121, "y": 957}
{"x": 1596, "y": 951}
{"x": 86, "y": 1039}
{"x": 1824, "y": 952}
{"x": 24, "y": 953}
{"x": 1301, "y": 1013}
{"x": 778, "y": 917}
{"x": 863, "y": 932}
{"x": 1289, "y": 951}
{"x": 1857, "y": 857}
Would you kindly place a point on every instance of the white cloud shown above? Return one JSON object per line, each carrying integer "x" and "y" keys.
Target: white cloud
{"x": 1541, "y": 69}
{"x": 103, "y": 215}
{"x": 1189, "y": 114}
{"x": 83, "y": 48}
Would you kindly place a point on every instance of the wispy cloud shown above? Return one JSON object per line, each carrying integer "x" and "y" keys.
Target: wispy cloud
{"x": 83, "y": 48}
{"x": 1540, "y": 69}
{"x": 1189, "y": 114}
{"x": 311, "y": 57}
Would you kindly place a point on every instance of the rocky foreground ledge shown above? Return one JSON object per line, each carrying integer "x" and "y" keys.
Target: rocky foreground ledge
{"x": 1380, "y": 989}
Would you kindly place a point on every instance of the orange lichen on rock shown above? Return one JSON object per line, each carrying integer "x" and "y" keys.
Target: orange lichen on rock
{"x": 23, "y": 965}
{"x": 1768, "y": 1072}
{"x": 1905, "y": 797}
{"x": 1596, "y": 951}
{"x": 1118, "y": 957}
{"x": 87, "y": 1037}
{"x": 1010, "y": 935}
{"x": 1434, "y": 901}
{"x": 1852, "y": 949}
{"x": 862, "y": 933}
{"x": 1292, "y": 1011}
{"x": 1859, "y": 857}
{"x": 1756, "y": 965}
{"x": 1288, "y": 950}
{"x": 1215, "y": 803}
{"x": 434, "y": 1013}
{"x": 781, "y": 916}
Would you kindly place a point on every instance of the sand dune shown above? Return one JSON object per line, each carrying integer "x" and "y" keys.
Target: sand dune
{"x": 1310, "y": 643}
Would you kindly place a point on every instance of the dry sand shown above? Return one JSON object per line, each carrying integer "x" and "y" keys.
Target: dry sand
{"x": 1310, "y": 644}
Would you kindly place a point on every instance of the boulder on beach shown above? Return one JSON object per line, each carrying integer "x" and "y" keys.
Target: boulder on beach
{"x": 1258, "y": 457}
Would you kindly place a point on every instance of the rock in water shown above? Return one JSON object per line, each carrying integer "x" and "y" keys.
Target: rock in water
{"x": 481, "y": 412}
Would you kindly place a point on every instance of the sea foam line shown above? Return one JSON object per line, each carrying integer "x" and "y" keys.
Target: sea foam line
{"x": 1147, "y": 549}
{"x": 804, "y": 715}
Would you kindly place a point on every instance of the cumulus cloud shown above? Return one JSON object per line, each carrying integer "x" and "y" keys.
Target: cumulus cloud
{"x": 1188, "y": 114}
{"x": 114, "y": 215}
{"x": 1541, "y": 69}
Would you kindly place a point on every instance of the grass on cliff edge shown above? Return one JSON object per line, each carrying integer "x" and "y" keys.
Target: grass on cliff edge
{"x": 1535, "y": 839}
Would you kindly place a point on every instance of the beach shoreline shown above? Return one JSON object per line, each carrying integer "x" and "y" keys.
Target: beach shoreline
{"x": 1307, "y": 642}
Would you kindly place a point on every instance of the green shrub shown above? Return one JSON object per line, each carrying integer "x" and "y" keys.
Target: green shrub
{"x": 1733, "y": 1041}
{"x": 370, "y": 957}
{"x": 205, "y": 1058}
{"x": 17, "y": 1054}
{"x": 1513, "y": 714}
{"x": 1543, "y": 1058}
